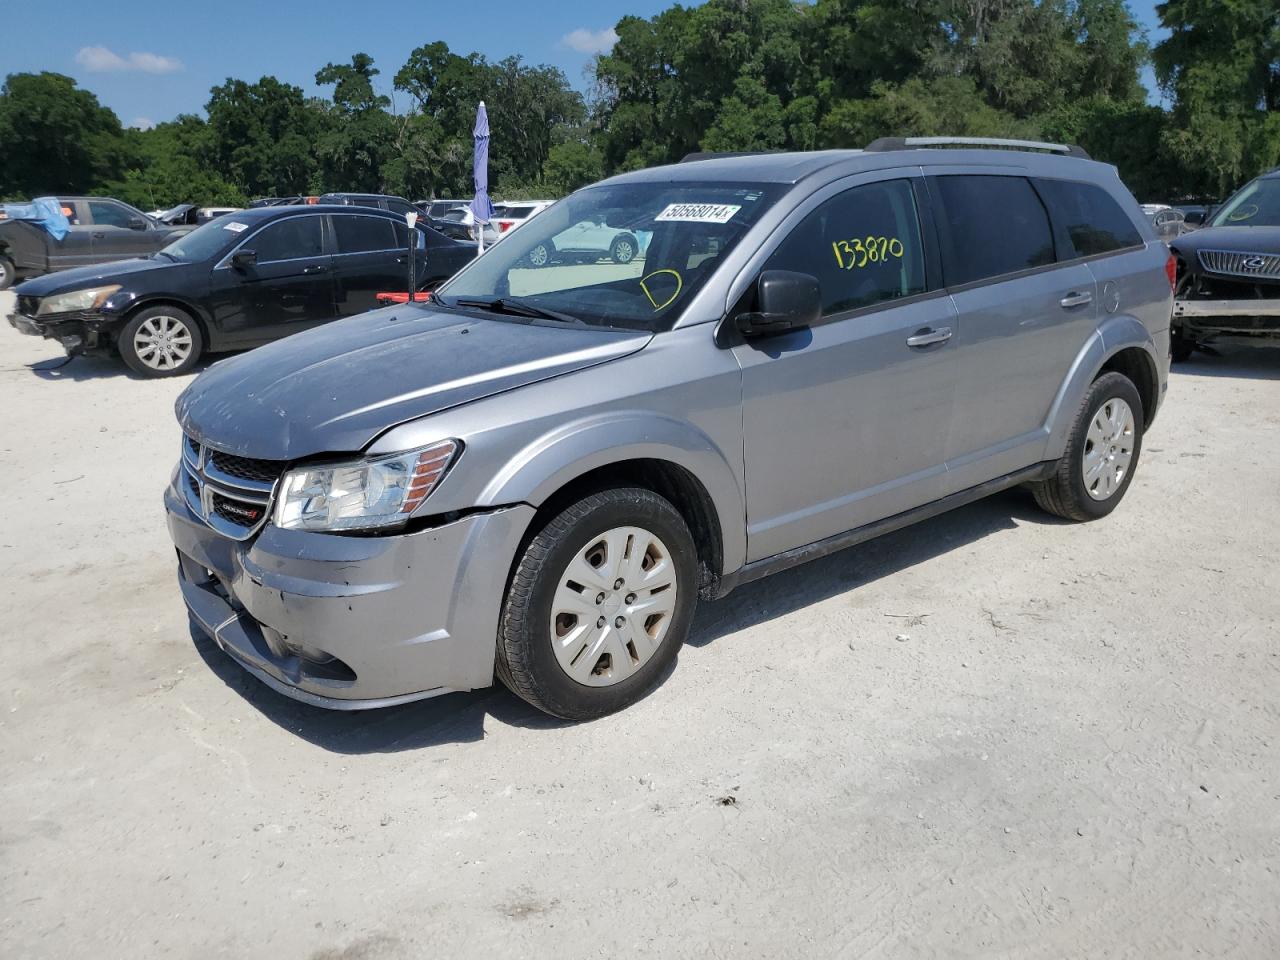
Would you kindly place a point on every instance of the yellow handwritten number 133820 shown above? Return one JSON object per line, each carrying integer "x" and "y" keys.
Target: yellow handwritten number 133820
{"x": 860, "y": 251}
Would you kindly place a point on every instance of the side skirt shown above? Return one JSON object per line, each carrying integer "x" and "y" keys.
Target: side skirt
{"x": 758, "y": 569}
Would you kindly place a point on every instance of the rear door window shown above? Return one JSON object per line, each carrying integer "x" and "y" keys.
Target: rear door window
{"x": 863, "y": 245}
{"x": 358, "y": 234}
{"x": 292, "y": 239}
{"x": 108, "y": 214}
{"x": 1090, "y": 218}
{"x": 993, "y": 226}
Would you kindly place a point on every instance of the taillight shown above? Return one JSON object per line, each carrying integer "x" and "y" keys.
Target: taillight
{"x": 505, "y": 225}
{"x": 1171, "y": 271}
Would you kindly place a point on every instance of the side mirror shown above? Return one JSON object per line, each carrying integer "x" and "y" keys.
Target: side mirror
{"x": 788, "y": 301}
{"x": 137, "y": 223}
{"x": 243, "y": 259}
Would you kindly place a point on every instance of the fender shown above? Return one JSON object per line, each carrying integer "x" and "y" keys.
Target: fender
{"x": 562, "y": 455}
{"x": 1116, "y": 333}
{"x": 141, "y": 300}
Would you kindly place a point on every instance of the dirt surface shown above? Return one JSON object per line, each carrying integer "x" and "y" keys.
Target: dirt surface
{"x": 993, "y": 734}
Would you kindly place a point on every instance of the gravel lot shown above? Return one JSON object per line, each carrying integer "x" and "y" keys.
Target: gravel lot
{"x": 993, "y": 734}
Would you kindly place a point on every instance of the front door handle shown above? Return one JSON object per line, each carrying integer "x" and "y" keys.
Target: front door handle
{"x": 314, "y": 269}
{"x": 1076, "y": 300}
{"x": 927, "y": 336}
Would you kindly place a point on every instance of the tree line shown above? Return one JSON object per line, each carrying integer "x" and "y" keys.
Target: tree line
{"x": 726, "y": 75}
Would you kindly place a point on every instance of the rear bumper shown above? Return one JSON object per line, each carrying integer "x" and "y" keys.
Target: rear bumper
{"x": 352, "y": 623}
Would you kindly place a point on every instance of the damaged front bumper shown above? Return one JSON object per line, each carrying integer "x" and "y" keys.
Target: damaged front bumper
{"x": 348, "y": 622}
{"x": 77, "y": 332}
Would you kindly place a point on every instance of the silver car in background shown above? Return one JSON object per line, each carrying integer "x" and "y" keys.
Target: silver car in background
{"x": 537, "y": 474}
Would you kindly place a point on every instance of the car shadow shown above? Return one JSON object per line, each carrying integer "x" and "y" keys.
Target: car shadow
{"x": 82, "y": 368}
{"x": 1252, "y": 363}
{"x": 460, "y": 717}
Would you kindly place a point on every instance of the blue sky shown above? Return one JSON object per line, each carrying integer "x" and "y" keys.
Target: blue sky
{"x": 150, "y": 61}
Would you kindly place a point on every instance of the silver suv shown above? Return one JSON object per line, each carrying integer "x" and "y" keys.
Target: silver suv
{"x": 538, "y": 474}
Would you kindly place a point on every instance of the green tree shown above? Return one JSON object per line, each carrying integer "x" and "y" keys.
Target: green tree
{"x": 357, "y": 136}
{"x": 1221, "y": 63}
{"x": 262, "y": 136}
{"x": 56, "y": 138}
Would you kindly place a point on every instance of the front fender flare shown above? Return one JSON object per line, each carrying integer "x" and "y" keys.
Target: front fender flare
{"x": 1115, "y": 334}
{"x": 562, "y": 455}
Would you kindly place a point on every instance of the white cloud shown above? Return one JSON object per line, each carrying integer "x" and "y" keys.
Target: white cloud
{"x": 590, "y": 41}
{"x": 105, "y": 60}
{"x": 142, "y": 123}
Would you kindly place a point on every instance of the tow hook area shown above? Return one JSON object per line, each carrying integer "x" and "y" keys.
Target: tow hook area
{"x": 74, "y": 345}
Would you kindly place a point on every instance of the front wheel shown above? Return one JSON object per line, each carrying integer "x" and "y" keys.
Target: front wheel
{"x": 8, "y": 275}
{"x": 623, "y": 249}
{"x": 599, "y": 604}
{"x": 1102, "y": 452}
{"x": 540, "y": 255}
{"x": 161, "y": 342}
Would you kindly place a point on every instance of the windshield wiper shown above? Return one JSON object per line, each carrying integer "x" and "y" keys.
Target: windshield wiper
{"x": 514, "y": 306}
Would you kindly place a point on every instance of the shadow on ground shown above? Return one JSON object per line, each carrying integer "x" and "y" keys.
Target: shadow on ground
{"x": 94, "y": 368}
{"x": 460, "y": 717}
{"x": 1249, "y": 363}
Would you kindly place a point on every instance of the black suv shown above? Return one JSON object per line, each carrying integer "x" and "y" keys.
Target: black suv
{"x": 236, "y": 282}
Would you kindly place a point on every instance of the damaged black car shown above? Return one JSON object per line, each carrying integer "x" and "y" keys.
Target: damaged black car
{"x": 1228, "y": 282}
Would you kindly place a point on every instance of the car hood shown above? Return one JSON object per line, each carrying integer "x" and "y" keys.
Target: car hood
{"x": 1241, "y": 239}
{"x": 336, "y": 388}
{"x": 77, "y": 278}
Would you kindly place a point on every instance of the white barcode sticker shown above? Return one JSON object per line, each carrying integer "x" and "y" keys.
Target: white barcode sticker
{"x": 698, "y": 213}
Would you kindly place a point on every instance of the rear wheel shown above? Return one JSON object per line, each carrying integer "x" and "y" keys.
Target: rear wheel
{"x": 1102, "y": 452}
{"x": 7, "y": 273}
{"x": 161, "y": 342}
{"x": 623, "y": 249}
{"x": 599, "y": 604}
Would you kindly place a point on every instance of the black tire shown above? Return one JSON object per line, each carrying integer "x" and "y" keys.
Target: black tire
{"x": 540, "y": 255}
{"x": 526, "y": 661}
{"x": 8, "y": 275}
{"x": 1180, "y": 347}
{"x": 623, "y": 249}
{"x": 146, "y": 365}
{"x": 1064, "y": 493}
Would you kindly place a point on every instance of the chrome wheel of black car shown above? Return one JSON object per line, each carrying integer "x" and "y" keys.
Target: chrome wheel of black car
{"x": 540, "y": 256}
{"x": 161, "y": 342}
{"x": 7, "y": 275}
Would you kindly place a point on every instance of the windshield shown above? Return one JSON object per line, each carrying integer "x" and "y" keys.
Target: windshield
{"x": 625, "y": 255}
{"x": 1256, "y": 205}
{"x": 206, "y": 242}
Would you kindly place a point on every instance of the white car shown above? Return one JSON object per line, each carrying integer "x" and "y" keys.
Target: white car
{"x": 509, "y": 216}
{"x": 590, "y": 241}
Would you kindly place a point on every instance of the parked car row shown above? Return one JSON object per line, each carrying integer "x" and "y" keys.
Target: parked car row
{"x": 237, "y": 282}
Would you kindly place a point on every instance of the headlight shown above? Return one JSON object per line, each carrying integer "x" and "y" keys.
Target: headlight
{"x": 362, "y": 494}
{"x": 90, "y": 298}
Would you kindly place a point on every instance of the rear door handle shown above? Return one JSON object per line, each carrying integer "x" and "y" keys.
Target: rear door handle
{"x": 1076, "y": 300}
{"x": 315, "y": 268}
{"x": 927, "y": 336}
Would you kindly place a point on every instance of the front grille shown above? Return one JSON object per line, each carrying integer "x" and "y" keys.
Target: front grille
{"x": 246, "y": 468}
{"x": 231, "y": 494}
{"x": 1255, "y": 266}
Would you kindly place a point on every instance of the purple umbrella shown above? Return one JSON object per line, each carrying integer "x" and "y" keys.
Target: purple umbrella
{"x": 481, "y": 205}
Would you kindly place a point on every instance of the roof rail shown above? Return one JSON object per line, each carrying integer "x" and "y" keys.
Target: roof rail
{"x": 885, "y": 144}
{"x": 690, "y": 157}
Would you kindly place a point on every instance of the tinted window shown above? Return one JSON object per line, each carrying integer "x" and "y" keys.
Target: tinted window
{"x": 1092, "y": 219}
{"x": 996, "y": 225}
{"x": 400, "y": 206}
{"x": 109, "y": 214}
{"x": 863, "y": 245}
{"x": 289, "y": 239}
{"x": 402, "y": 235}
{"x": 516, "y": 211}
{"x": 361, "y": 234}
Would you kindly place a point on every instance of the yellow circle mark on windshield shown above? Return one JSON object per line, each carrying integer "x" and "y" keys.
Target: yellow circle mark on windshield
{"x": 1244, "y": 213}
{"x": 671, "y": 299}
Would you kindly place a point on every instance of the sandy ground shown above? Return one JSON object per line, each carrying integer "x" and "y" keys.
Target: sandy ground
{"x": 1074, "y": 752}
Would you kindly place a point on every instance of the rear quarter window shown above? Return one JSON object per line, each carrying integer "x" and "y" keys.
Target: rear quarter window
{"x": 994, "y": 225}
{"x": 1090, "y": 217}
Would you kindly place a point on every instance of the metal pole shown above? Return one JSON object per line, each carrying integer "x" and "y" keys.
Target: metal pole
{"x": 412, "y": 220}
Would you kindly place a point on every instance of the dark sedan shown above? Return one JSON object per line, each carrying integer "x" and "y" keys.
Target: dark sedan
{"x": 234, "y": 283}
